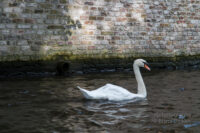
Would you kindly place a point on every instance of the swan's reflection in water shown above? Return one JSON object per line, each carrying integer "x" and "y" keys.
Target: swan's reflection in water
{"x": 110, "y": 112}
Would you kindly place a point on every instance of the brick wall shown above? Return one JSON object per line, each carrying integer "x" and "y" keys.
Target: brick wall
{"x": 41, "y": 29}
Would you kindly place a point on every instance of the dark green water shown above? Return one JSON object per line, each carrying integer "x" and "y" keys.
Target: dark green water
{"x": 55, "y": 105}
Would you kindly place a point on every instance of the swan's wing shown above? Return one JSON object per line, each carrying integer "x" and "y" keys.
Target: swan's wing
{"x": 112, "y": 92}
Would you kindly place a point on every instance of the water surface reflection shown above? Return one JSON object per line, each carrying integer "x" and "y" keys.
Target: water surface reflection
{"x": 55, "y": 105}
{"x": 110, "y": 113}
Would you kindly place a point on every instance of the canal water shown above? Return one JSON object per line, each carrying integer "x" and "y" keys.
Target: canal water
{"x": 55, "y": 105}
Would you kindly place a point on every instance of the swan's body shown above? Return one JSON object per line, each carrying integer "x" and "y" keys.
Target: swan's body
{"x": 117, "y": 93}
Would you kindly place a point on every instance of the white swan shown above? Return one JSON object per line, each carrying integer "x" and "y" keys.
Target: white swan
{"x": 117, "y": 93}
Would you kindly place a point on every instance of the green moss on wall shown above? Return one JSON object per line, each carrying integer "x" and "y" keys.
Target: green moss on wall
{"x": 105, "y": 56}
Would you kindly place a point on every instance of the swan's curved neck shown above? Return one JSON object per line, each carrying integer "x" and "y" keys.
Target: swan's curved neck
{"x": 141, "y": 86}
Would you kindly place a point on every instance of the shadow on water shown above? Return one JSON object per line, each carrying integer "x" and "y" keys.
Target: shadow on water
{"x": 55, "y": 105}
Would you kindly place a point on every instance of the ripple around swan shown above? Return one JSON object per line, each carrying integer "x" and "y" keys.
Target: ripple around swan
{"x": 111, "y": 112}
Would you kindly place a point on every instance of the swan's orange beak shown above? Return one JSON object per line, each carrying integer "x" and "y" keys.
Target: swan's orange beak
{"x": 147, "y": 67}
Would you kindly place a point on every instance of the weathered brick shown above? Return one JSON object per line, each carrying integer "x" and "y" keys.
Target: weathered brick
{"x": 128, "y": 15}
{"x": 89, "y": 3}
{"x": 22, "y": 42}
{"x": 14, "y": 4}
{"x": 10, "y": 26}
{"x": 17, "y": 10}
{"x": 29, "y": 20}
{"x": 132, "y": 19}
{"x": 158, "y": 38}
{"x": 106, "y": 33}
{"x": 28, "y": 10}
{"x": 116, "y": 38}
{"x": 91, "y": 47}
{"x": 25, "y": 48}
{"x": 31, "y": 5}
{"x": 5, "y": 31}
{"x": 88, "y": 22}
{"x": 4, "y": 50}
{"x": 2, "y": 26}
{"x": 38, "y": 11}
{"x": 100, "y": 18}
{"x": 63, "y": 1}
{"x": 54, "y": 12}
{"x": 55, "y": 37}
{"x": 46, "y": 5}
{"x": 18, "y": 20}
{"x": 24, "y": 26}
{"x": 121, "y": 19}
{"x": 40, "y": 1}
{"x": 3, "y": 42}
{"x": 93, "y": 8}
{"x": 55, "y": 27}
{"x": 164, "y": 25}
{"x": 83, "y": 17}
{"x": 92, "y": 18}
{"x": 143, "y": 27}
{"x": 8, "y": 10}
{"x": 108, "y": 0}
{"x": 100, "y": 37}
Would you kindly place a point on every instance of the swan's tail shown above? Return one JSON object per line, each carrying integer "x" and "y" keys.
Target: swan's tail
{"x": 85, "y": 92}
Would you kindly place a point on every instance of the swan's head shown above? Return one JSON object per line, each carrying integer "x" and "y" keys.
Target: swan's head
{"x": 142, "y": 63}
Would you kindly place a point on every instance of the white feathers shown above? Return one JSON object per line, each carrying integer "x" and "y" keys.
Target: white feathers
{"x": 117, "y": 93}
